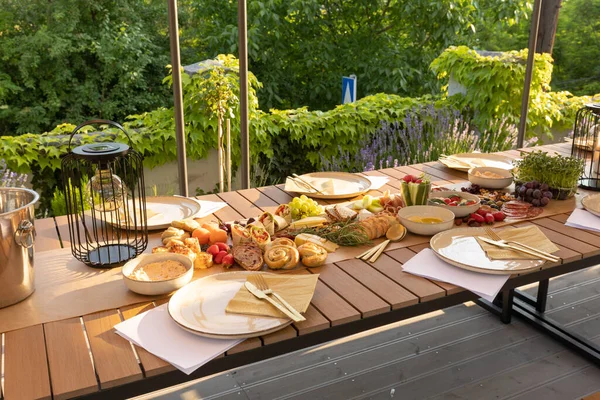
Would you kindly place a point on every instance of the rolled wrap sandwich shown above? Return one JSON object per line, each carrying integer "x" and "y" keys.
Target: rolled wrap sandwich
{"x": 240, "y": 235}
{"x": 272, "y": 223}
{"x": 284, "y": 212}
{"x": 260, "y": 236}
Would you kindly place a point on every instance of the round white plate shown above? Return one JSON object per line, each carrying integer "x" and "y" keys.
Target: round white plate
{"x": 199, "y": 307}
{"x": 460, "y": 248}
{"x": 334, "y": 185}
{"x": 478, "y": 160}
{"x": 592, "y": 203}
{"x": 161, "y": 210}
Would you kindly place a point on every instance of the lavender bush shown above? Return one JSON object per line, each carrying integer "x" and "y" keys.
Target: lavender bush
{"x": 422, "y": 136}
{"x": 9, "y": 178}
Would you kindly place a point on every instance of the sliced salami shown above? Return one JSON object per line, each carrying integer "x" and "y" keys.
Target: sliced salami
{"x": 534, "y": 212}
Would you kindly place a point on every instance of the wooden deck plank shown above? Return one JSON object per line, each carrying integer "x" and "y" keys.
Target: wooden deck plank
{"x": 420, "y": 286}
{"x": 226, "y": 213}
{"x": 71, "y": 370}
{"x": 46, "y": 235}
{"x": 113, "y": 357}
{"x": 571, "y": 386}
{"x": 276, "y": 194}
{"x": 259, "y": 199}
{"x": 337, "y": 310}
{"x": 247, "y": 344}
{"x": 394, "y": 294}
{"x": 26, "y": 375}
{"x": 351, "y": 290}
{"x": 152, "y": 365}
{"x": 283, "y": 334}
{"x": 240, "y": 204}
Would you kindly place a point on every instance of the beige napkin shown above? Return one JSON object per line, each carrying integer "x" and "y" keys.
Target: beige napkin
{"x": 529, "y": 235}
{"x": 297, "y": 290}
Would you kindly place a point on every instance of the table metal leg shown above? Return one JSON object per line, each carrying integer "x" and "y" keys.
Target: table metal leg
{"x": 501, "y": 306}
{"x": 542, "y": 295}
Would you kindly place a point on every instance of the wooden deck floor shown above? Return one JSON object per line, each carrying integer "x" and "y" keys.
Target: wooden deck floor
{"x": 458, "y": 353}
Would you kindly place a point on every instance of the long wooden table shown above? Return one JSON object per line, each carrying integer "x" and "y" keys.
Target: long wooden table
{"x": 83, "y": 356}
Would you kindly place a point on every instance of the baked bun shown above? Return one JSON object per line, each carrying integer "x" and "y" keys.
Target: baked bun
{"x": 312, "y": 255}
{"x": 282, "y": 257}
{"x": 280, "y": 242}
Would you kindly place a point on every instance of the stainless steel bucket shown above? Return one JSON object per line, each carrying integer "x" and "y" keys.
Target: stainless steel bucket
{"x": 17, "y": 236}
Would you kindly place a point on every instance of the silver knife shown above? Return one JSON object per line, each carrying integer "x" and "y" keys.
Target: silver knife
{"x": 259, "y": 294}
{"x": 508, "y": 246}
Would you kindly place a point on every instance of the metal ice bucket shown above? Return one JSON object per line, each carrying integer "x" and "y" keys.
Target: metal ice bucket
{"x": 17, "y": 235}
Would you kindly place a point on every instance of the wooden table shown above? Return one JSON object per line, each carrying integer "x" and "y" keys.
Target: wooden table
{"x": 83, "y": 356}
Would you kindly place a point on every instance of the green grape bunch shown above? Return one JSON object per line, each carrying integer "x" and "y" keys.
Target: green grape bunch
{"x": 303, "y": 207}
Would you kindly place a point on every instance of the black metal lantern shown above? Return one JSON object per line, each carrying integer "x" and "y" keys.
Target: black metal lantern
{"x": 105, "y": 201}
{"x": 586, "y": 144}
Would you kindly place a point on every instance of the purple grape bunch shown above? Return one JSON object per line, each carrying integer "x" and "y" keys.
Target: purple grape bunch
{"x": 538, "y": 194}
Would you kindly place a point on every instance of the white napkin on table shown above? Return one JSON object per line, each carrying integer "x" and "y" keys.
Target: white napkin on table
{"x": 428, "y": 265}
{"x": 208, "y": 207}
{"x": 583, "y": 219}
{"x": 377, "y": 181}
{"x": 156, "y": 332}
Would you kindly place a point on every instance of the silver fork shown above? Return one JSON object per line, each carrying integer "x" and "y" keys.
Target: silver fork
{"x": 494, "y": 236}
{"x": 261, "y": 284}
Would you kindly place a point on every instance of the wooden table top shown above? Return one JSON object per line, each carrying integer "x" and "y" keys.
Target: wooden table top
{"x": 53, "y": 359}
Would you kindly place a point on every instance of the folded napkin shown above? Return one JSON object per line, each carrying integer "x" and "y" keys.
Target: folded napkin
{"x": 583, "y": 219}
{"x": 297, "y": 290}
{"x": 529, "y": 235}
{"x": 428, "y": 265}
{"x": 208, "y": 207}
{"x": 156, "y": 332}
{"x": 377, "y": 181}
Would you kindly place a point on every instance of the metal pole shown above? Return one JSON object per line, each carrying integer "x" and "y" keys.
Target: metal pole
{"x": 243, "y": 58}
{"x": 178, "y": 98}
{"x": 533, "y": 34}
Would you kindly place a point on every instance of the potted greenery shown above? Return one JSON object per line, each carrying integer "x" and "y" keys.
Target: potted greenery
{"x": 560, "y": 173}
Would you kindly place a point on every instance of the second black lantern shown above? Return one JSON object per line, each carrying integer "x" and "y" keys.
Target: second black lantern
{"x": 105, "y": 200}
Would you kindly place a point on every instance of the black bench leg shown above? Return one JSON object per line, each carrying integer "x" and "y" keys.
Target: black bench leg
{"x": 507, "y": 305}
{"x": 542, "y": 296}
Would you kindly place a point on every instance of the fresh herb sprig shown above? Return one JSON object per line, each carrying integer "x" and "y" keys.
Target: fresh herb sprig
{"x": 345, "y": 233}
{"x": 556, "y": 171}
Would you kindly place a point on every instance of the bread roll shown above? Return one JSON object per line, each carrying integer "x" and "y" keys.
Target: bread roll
{"x": 312, "y": 255}
{"x": 282, "y": 257}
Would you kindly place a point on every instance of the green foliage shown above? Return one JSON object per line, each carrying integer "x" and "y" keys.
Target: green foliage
{"x": 577, "y": 47}
{"x": 558, "y": 172}
{"x": 300, "y": 49}
{"x": 68, "y": 60}
{"x": 495, "y": 87}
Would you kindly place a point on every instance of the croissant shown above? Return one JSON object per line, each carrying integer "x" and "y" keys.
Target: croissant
{"x": 281, "y": 257}
{"x": 312, "y": 254}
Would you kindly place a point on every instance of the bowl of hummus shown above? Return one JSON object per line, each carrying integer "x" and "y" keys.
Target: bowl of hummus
{"x": 155, "y": 274}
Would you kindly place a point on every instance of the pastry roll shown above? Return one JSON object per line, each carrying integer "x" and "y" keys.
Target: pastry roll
{"x": 280, "y": 242}
{"x": 281, "y": 257}
{"x": 312, "y": 254}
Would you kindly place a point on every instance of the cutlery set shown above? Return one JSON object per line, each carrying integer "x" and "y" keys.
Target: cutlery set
{"x": 259, "y": 288}
{"x": 496, "y": 240}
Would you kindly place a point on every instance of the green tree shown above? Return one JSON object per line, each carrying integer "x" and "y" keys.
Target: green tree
{"x": 69, "y": 60}
{"x": 300, "y": 49}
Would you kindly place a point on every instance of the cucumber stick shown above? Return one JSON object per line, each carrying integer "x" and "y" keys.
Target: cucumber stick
{"x": 414, "y": 194}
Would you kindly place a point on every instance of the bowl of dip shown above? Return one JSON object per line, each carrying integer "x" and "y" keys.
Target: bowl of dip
{"x": 490, "y": 177}
{"x": 426, "y": 220}
{"x": 160, "y": 273}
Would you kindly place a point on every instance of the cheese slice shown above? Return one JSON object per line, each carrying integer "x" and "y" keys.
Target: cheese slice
{"x": 318, "y": 240}
{"x": 308, "y": 222}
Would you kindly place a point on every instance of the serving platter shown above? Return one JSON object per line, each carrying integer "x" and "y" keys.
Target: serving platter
{"x": 476, "y": 160}
{"x": 334, "y": 185}
{"x": 459, "y": 247}
{"x": 592, "y": 203}
{"x": 199, "y": 308}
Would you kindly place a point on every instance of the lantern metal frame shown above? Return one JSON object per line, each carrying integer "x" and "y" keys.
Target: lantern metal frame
{"x": 105, "y": 198}
{"x": 586, "y": 144}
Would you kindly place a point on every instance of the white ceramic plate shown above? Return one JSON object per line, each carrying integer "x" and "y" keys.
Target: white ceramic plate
{"x": 162, "y": 210}
{"x": 334, "y": 185}
{"x": 477, "y": 160}
{"x": 592, "y": 203}
{"x": 199, "y": 307}
{"x": 460, "y": 248}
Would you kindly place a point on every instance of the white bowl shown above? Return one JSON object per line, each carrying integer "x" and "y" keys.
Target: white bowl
{"x": 491, "y": 183}
{"x": 153, "y": 288}
{"x": 459, "y": 211}
{"x": 419, "y": 228}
